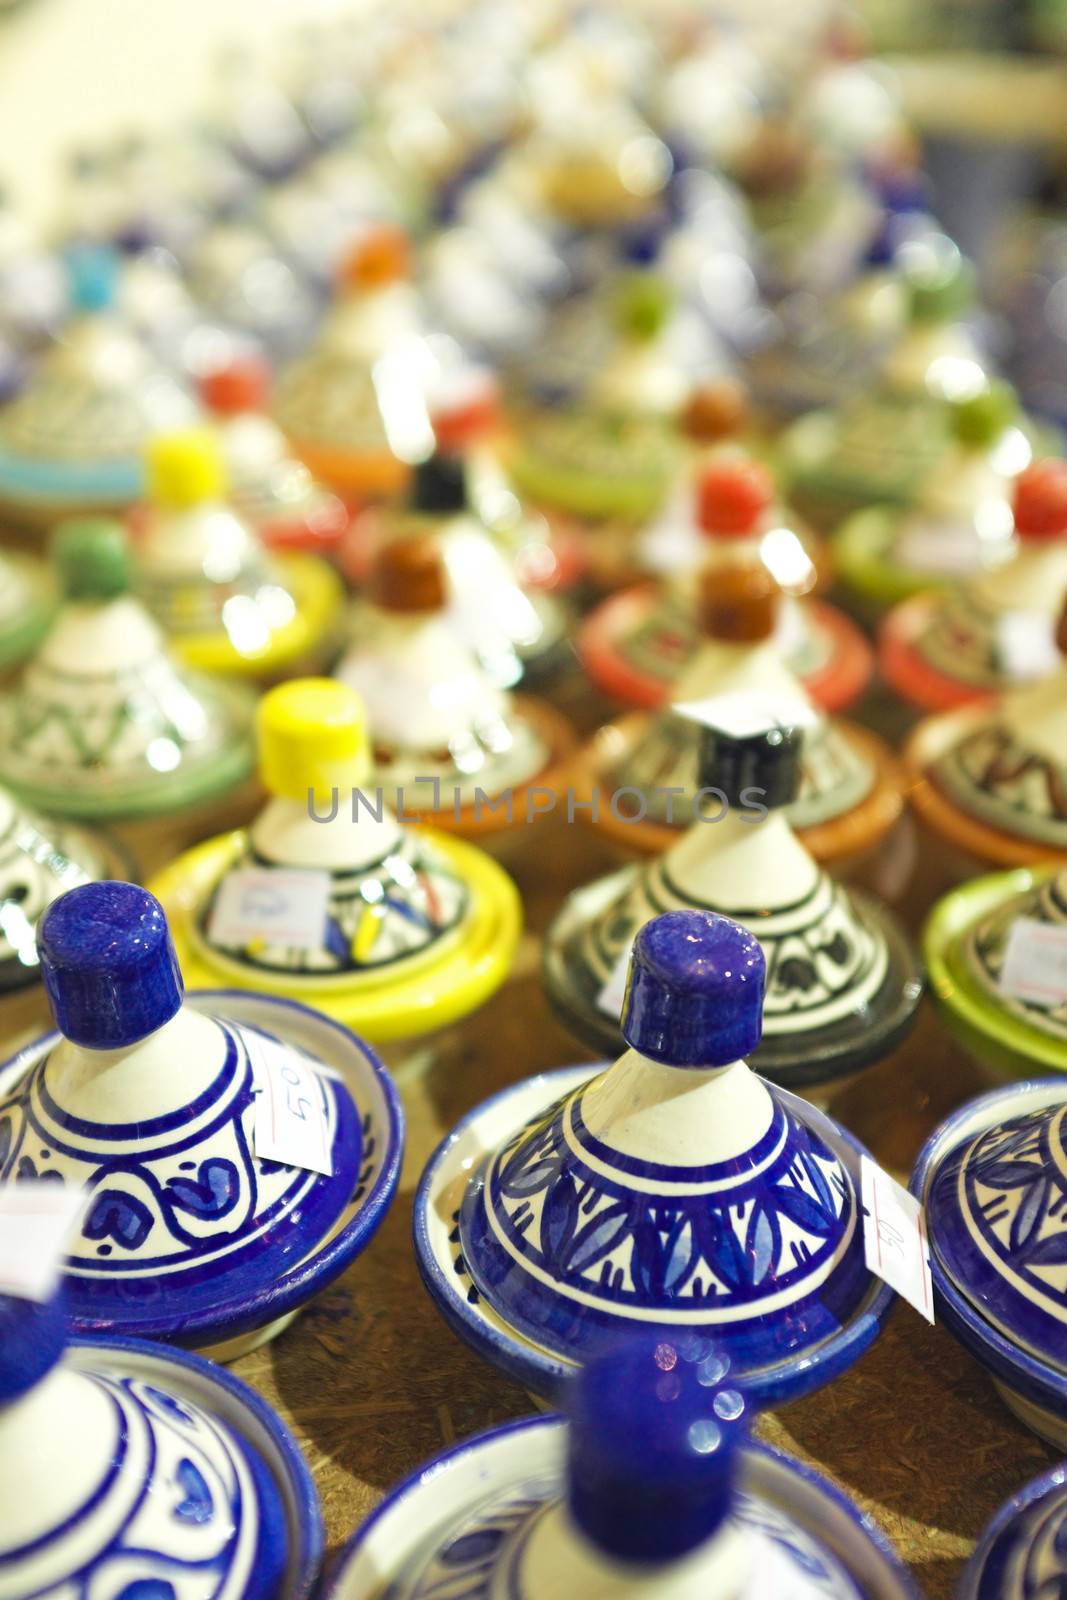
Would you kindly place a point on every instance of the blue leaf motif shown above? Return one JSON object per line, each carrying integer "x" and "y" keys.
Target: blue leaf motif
{"x": 803, "y": 1210}
{"x": 197, "y": 1506}
{"x": 680, "y": 1256}
{"x": 119, "y": 1217}
{"x": 648, "y": 1264}
{"x": 762, "y": 1242}
{"x": 1007, "y": 1174}
{"x": 212, "y": 1193}
{"x": 148, "y": 1589}
{"x": 600, "y": 1236}
{"x": 1028, "y": 1218}
{"x": 1050, "y": 1252}
{"x": 559, "y": 1217}
{"x": 721, "y": 1249}
{"x": 7, "y": 1135}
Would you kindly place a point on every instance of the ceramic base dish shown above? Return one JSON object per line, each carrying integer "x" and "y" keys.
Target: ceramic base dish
{"x": 634, "y": 645}
{"x": 793, "y": 1060}
{"x": 865, "y": 563}
{"x": 1020, "y": 1555}
{"x": 872, "y": 810}
{"x": 475, "y": 1505}
{"x": 910, "y": 672}
{"x": 1010, "y": 1187}
{"x": 963, "y": 949}
{"x": 930, "y": 742}
{"x": 254, "y": 1309}
{"x": 380, "y": 1004}
{"x": 162, "y": 1383}
{"x": 880, "y": 451}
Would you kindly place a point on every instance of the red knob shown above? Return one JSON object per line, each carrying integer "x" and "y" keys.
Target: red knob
{"x": 1041, "y": 500}
{"x": 732, "y": 496}
{"x": 242, "y": 385}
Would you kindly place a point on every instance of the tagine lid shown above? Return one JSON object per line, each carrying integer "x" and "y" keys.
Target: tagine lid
{"x": 1024, "y": 1547}
{"x": 995, "y": 1218}
{"x": 640, "y": 1142}
{"x": 413, "y": 927}
{"x": 74, "y": 435}
{"x": 652, "y": 1472}
{"x": 843, "y": 982}
{"x": 433, "y": 711}
{"x": 1004, "y": 767}
{"x": 39, "y": 860}
{"x": 101, "y": 721}
{"x": 182, "y": 1231}
{"x": 155, "y": 1426}
{"x": 980, "y": 949}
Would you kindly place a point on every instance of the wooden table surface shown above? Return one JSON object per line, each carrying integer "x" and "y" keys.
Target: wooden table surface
{"x": 372, "y": 1382}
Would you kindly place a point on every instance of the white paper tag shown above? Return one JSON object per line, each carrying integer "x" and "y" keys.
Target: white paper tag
{"x": 37, "y": 1221}
{"x": 291, "y": 1124}
{"x": 894, "y": 1237}
{"x": 1035, "y": 962}
{"x": 613, "y": 993}
{"x": 271, "y": 905}
{"x": 934, "y": 544}
{"x": 1026, "y": 645}
{"x": 748, "y": 712}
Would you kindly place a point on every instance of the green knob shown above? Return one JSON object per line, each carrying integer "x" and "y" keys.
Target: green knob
{"x": 940, "y": 286}
{"x": 643, "y": 303}
{"x": 981, "y": 418}
{"x": 92, "y": 557}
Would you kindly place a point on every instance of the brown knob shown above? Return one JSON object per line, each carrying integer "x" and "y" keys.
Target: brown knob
{"x": 381, "y": 256}
{"x": 716, "y": 411}
{"x": 738, "y": 604}
{"x": 1061, "y": 630}
{"x": 409, "y": 575}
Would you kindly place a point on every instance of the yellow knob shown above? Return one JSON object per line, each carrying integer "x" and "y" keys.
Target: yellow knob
{"x": 185, "y": 469}
{"x": 312, "y": 737}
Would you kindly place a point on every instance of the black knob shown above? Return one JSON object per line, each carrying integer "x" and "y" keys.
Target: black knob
{"x": 439, "y": 486}
{"x": 763, "y": 767}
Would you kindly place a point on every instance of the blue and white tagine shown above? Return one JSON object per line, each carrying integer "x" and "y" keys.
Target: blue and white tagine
{"x": 207, "y": 1225}
{"x": 993, "y": 1180}
{"x": 651, "y": 1492}
{"x": 1022, "y": 1555}
{"x": 675, "y": 1190}
{"x": 141, "y": 1473}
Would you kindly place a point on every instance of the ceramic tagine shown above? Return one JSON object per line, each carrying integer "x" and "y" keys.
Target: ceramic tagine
{"x": 414, "y": 929}
{"x": 961, "y": 521}
{"x": 843, "y": 983}
{"x": 991, "y": 1180}
{"x": 27, "y": 600}
{"x": 72, "y": 439}
{"x": 350, "y": 402}
{"x": 208, "y": 1225}
{"x": 651, "y": 1487}
{"x": 673, "y": 1191}
{"x": 130, "y": 1469}
{"x": 102, "y": 722}
{"x": 271, "y": 490}
{"x": 640, "y": 775}
{"x": 227, "y": 606}
{"x": 635, "y": 644}
{"x": 942, "y": 650}
{"x": 989, "y": 778}
{"x": 880, "y": 446}
{"x": 449, "y": 744}
{"x": 511, "y": 629}
{"x": 1022, "y": 1554}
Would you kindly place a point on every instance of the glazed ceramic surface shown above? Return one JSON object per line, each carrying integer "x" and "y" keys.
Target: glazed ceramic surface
{"x": 38, "y": 860}
{"x": 27, "y": 601}
{"x": 991, "y": 1182}
{"x": 717, "y": 1207}
{"x": 1021, "y": 1555}
{"x": 184, "y": 1483}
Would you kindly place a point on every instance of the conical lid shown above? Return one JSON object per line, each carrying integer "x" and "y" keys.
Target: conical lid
{"x": 38, "y": 861}
{"x": 842, "y": 983}
{"x": 1009, "y": 769}
{"x": 740, "y": 655}
{"x": 102, "y": 722}
{"x": 152, "y": 1106}
{"x": 432, "y": 709}
{"x": 964, "y": 637}
{"x": 391, "y": 902}
{"x": 76, "y": 432}
{"x": 675, "y": 1188}
{"x": 995, "y": 1216}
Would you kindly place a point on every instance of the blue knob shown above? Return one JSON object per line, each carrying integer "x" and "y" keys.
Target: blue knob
{"x": 694, "y": 995}
{"x": 92, "y": 277}
{"x": 108, "y": 964}
{"x": 32, "y": 1339}
{"x": 655, "y": 1425}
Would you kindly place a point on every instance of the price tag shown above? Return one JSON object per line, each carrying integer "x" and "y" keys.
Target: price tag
{"x": 935, "y": 545}
{"x": 37, "y": 1219}
{"x": 290, "y": 1124}
{"x": 1026, "y": 645}
{"x": 894, "y": 1238}
{"x": 748, "y": 712}
{"x": 613, "y": 993}
{"x": 1035, "y": 962}
{"x": 271, "y": 906}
